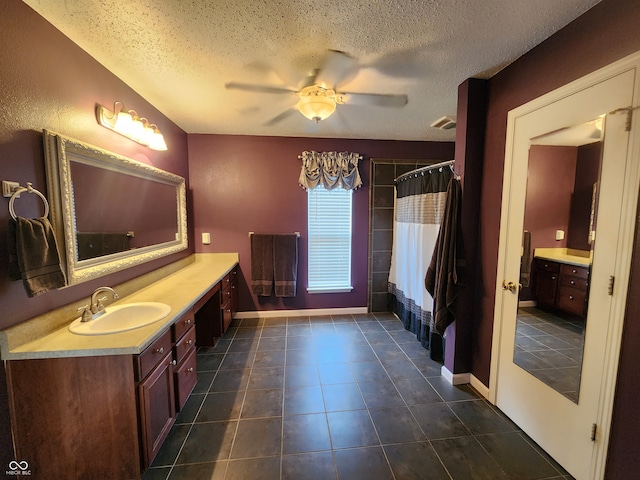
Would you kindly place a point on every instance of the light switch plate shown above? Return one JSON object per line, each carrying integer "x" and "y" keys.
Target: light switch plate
{"x": 206, "y": 238}
{"x": 559, "y": 234}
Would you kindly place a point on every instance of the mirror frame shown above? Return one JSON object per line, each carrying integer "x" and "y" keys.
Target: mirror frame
{"x": 59, "y": 152}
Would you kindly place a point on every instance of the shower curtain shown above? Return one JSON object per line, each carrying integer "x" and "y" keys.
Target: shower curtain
{"x": 419, "y": 206}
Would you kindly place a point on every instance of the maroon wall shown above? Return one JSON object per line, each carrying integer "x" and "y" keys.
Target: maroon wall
{"x": 551, "y": 176}
{"x": 48, "y": 82}
{"x": 597, "y": 38}
{"x": 244, "y": 184}
{"x": 587, "y": 173}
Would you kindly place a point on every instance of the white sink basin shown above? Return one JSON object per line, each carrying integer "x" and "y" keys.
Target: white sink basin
{"x": 121, "y": 318}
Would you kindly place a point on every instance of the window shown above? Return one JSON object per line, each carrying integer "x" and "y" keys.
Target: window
{"x": 329, "y": 217}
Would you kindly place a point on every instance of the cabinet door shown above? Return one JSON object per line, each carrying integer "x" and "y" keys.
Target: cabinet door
{"x": 186, "y": 377}
{"x": 572, "y": 300}
{"x": 157, "y": 407}
{"x": 546, "y": 287}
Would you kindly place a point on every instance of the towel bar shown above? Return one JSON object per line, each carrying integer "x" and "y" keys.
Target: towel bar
{"x": 29, "y": 189}
{"x": 297, "y": 234}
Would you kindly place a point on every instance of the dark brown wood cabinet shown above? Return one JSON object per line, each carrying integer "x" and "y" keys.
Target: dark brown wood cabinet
{"x": 184, "y": 352}
{"x": 120, "y": 407}
{"x": 215, "y": 311}
{"x": 561, "y": 286}
{"x": 157, "y": 407}
{"x": 546, "y": 282}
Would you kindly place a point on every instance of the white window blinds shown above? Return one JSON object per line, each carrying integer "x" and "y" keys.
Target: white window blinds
{"x": 329, "y": 234}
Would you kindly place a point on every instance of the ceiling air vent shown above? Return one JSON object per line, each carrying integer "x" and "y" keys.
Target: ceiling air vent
{"x": 445, "y": 123}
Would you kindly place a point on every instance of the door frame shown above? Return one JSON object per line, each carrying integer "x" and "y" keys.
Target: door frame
{"x": 625, "y": 245}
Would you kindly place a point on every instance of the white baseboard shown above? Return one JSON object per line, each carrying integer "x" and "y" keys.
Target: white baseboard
{"x": 527, "y": 303}
{"x": 464, "y": 378}
{"x": 312, "y": 312}
{"x": 479, "y": 386}
{"x": 454, "y": 378}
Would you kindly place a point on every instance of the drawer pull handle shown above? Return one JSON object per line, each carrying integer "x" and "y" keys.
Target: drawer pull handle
{"x": 189, "y": 342}
{"x": 189, "y": 370}
{"x": 574, "y": 270}
{"x": 174, "y": 363}
{"x": 160, "y": 350}
{"x": 553, "y": 278}
{"x": 572, "y": 282}
{"x": 187, "y": 322}
{"x": 570, "y": 297}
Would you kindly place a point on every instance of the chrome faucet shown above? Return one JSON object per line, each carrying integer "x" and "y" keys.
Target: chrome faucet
{"x": 96, "y": 308}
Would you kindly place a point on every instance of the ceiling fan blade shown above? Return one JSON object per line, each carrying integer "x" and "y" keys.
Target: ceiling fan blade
{"x": 379, "y": 100}
{"x": 337, "y": 66}
{"x": 309, "y": 79}
{"x": 282, "y": 116}
{"x": 247, "y": 87}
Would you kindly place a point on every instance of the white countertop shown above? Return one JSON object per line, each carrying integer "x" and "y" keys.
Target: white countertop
{"x": 562, "y": 255}
{"x": 180, "y": 290}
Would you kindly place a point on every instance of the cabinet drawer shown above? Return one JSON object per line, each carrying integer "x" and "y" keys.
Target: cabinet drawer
{"x": 229, "y": 278}
{"x": 147, "y": 360}
{"x": 572, "y": 300}
{"x": 574, "y": 282}
{"x": 187, "y": 341}
{"x": 547, "y": 266}
{"x": 186, "y": 377}
{"x": 573, "y": 270}
{"x": 227, "y": 314}
{"x": 182, "y": 325}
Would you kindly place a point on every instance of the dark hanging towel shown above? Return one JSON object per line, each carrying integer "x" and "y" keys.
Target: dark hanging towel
{"x": 285, "y": 260}
{"x": 261, "y": 264}
{"x": 525, "y": 261}
{"x": 33, "y": 255}
{"x": 445, "y": 277}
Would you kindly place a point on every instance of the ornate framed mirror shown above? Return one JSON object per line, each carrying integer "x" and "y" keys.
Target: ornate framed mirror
{"x": 110, "y": 212}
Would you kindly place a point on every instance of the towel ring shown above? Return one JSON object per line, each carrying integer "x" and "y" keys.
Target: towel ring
{"x": 29, "y": 189}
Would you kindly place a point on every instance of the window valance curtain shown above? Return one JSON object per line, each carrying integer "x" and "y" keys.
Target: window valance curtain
{"x": 330, "y": 169}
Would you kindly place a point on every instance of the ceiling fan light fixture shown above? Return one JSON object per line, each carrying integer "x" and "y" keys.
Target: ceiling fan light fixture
{"x": 316, "y": 103}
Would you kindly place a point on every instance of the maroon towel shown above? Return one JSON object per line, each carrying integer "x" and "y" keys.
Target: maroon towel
{"x": 445, "y": 276}
{"x": 32, "y": 245}
{"x": 285, "y": 268}
{"x": 261, "y": 264}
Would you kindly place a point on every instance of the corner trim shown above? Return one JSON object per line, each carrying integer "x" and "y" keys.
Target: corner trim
{"x": 480, "y": 387}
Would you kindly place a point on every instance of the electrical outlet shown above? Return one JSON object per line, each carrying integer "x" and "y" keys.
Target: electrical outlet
{"x": 206, "y": 238}
{"x": 559, "y": 234}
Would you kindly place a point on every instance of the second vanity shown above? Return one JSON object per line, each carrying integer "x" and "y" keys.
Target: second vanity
{"x": 561, "y": 280}
{"x": 101, "y": 406}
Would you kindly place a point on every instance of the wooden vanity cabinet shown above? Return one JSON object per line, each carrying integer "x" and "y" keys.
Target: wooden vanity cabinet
{"x": 229, "y": 295}
{"x": 167, "y": 374}
{"x": 184, "y": 352}
{"x": 572, "y": 292}
{"x": 157, "y": 406}
{"x": 214, "y": 313}
{"x": 561, "y": 286}
{"x": 104, "y": 416}
{"x": 546, "y": 282}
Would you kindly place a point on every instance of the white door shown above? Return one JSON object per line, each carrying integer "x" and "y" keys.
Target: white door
{"x": 563, "y": 427}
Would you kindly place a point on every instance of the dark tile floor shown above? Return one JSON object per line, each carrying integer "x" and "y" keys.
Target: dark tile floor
{"x": 550, "y": 346}
{"x": 341, "y": 397}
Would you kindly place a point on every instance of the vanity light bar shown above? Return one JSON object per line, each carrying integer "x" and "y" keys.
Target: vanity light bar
{"x": 127, "y": 123}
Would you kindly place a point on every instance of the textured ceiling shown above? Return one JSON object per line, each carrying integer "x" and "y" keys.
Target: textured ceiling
{"x": 178, "y": 54}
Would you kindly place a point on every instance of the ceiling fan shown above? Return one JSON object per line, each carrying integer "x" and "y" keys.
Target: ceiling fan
{"x": 317, "y": 94}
